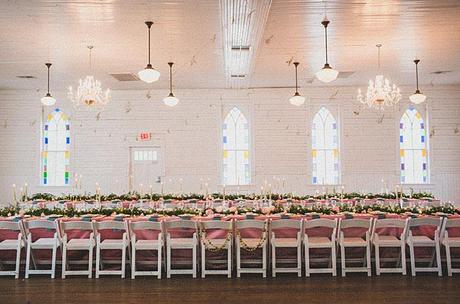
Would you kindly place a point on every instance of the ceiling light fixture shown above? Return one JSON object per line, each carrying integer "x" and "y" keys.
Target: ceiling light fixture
{"x": 89, "y": 92}
{"x": 380, "y": 93}
{"x": 170, "y": 100}
{"x": 149, "y": 74}
{"x": 326, "y": 74}
{"x": 48, "y": 100}
{"x": 417, "y": 97}
{"x": 296, "y": 99}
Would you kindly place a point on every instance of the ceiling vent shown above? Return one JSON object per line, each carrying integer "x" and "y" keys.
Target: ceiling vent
{"x": 125, "y": 77}
{"x": 440, "y": 72}
{"x": 241, "y": 47}
{"x": 345, "y": 74}
{"x": 26, "y": 77}
{"x": 237, "y": 75}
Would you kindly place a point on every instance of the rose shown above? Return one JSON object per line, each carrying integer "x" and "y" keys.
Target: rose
{"x": 209, "y": 212}
{"x": 219, "y": 209}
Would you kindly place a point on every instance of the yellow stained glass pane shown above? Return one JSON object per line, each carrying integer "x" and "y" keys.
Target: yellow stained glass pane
{"x": 50, "y": 116}
{"x": 336, "y": 153}
{"x": 401, "y": 152}
{"x": 246, "y": 154}
{"x": 225, "y": 153}
{"x": 45, "y": 154}
{"x": 424, "y": 152}
{"x": 313, "y": 152}
{"x": 417, "y": 115}
{"x": 64, "y": 117}
{"x": 67, "y": 154}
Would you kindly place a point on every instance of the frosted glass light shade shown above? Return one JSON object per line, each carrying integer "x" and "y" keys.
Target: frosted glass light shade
{"x": 149, "y": 74}
{"x": 417, "y": 97}
{"x": 48, "y": 100}
{"x": 327, "y": 74}
{"x": 297, "y": 100}
{"x": 171, "y": 100}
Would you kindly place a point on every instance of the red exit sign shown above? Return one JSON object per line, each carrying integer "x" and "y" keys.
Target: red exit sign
{"x": 144, "y": 136}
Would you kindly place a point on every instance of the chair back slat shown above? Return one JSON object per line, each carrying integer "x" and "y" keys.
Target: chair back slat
{"x": 425, "y": 221}
{"x": 286, "y": 223}
{"x": 110, "y": 225}
{"x": 317, "y": 223}
{"x": 390, "y": 223}
{"x": 355, "y": 223}
{"x": 244, "y": 224}
{"x": 145, "y": 225}
{"x": 225, "y": 225}
{"x": 450, "y": 223}
{"x": 76, "y": 225}
{"x": 8, "y": 225}
{"x": 35, "y": 224}
{"x": 180, "y": 224}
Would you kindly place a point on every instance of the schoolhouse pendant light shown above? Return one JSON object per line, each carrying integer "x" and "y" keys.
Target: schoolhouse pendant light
{"x": 149, "y": 74}
{"x": 296, "y": 99}
{"x": 48, "y": 100}
{"x": 170, "y": 100}
{"x": 417, "y": 97}
{"x": 326, "y": 74}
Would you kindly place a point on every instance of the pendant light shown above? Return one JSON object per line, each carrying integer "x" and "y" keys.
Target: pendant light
{"x": 170, "y": 100}
{"x": 326, "y": 74}
{"x": 48, "y": 100}
{"x": 149, "y": 74}
{"x": 297, "y": 99}
{"x": 417, "y": 97}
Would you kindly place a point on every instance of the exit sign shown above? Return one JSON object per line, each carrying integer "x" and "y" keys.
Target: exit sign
{"x": 144, "y": 136}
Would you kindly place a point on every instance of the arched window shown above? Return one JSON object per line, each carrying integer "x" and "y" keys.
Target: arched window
{"x": 325, "y": 149}
{"x": 413, "y": 148}
{"x": 235, "y": 139}
{"x": 56, "y": 149}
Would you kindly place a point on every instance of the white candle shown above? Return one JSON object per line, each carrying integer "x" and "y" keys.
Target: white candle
{"x": 25, "y": 190}
{"x": 14, "y": 192}
{"x": 223, "y": 192}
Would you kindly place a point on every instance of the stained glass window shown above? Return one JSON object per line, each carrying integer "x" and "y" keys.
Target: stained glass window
{"x": 413, "y": 148}
{"x": 56, "y": 149}
{"x": 325, "y": 149}
{"x": 235, "y": 140}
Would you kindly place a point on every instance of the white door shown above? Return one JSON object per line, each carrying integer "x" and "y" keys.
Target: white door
{"x": 146, "y": 169}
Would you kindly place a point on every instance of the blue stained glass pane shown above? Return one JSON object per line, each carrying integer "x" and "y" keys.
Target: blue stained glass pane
{"x": 224, "y": 126}
{"x": 225, "y": 139}
{"x": 423, "y": 138}
{"x": 402, "y": 167}
{"x": 424, "y": 179}
{"x": 246, "y": 126}
{"x": 57, "y": 110}
{"x": 422, "y": 125}
{"x": 313, "y": 140}
{"x": 401, "y": 126}
{"x": 336, "y": 166}
{"x": 46, "y": 140}
{"x": 46, "y": 127}
{"x": 44, "y": 181}
{"x": 314, "y": 179}
{"x": 424, "y": 166}
{"x": 403, "y": 179}
{"x": 334, "y": 139}
{"x": 67, "y": 127}
{"x": 67, "y": 140}
{"x": 401, "y": 138}
{"x": 334, "y": 126}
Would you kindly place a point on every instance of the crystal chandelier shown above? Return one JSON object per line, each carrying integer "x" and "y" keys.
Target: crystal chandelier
{"x": 380, "y": 93}
{"x": 89, "y": 92}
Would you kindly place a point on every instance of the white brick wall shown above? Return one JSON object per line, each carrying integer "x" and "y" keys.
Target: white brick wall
{"x": 190, "y": 137}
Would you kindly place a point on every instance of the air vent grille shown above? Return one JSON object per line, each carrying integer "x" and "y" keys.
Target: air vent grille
{"x": 125, "y": 77}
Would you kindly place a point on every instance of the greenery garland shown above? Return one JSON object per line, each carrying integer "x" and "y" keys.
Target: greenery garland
{"x": 131, "y": 196}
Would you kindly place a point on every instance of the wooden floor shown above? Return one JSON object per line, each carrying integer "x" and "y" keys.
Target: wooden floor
{"x": 355, "y": 288}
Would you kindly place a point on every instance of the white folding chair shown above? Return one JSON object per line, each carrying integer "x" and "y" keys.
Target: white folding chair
{"x": 425, "y": 241}
{"x": 380, "y": 239}
{"x": 12, "y": 244}
{"x": 181, "y": 226}
{"x": 251, "y": 244}
{"x": 44, "y": 243}
{"x": 216, "y": 245}
{"x": 154, "y": 243}
{"x": 111, "y": 244}
{"x": 285, "y": 242}
{"x": 450, "y": 241}
{"x": 355, "y": 242}
{"x": 313, "y": 241}
{"x": 81, "y": 244}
